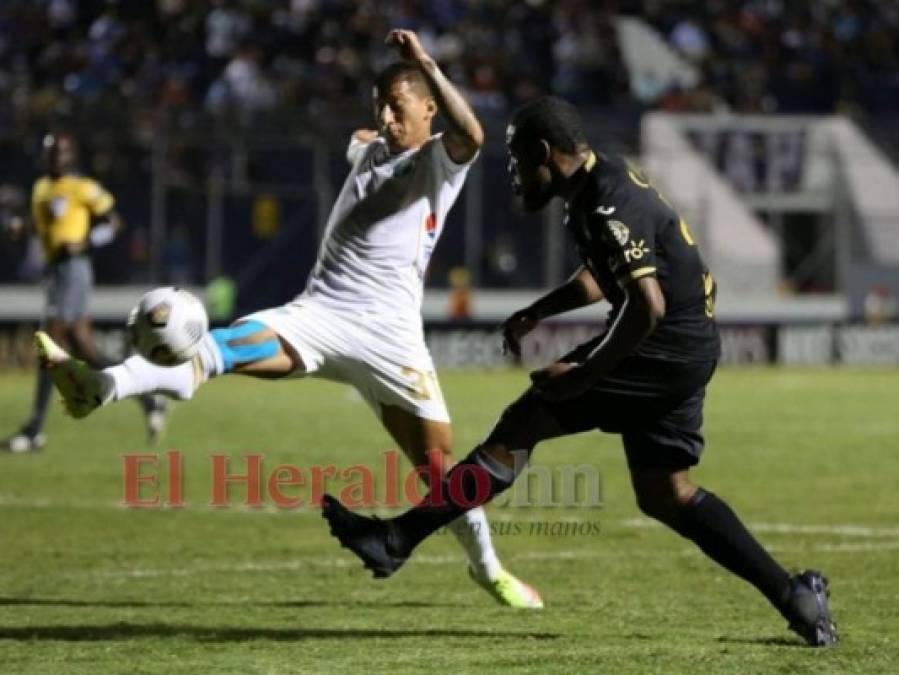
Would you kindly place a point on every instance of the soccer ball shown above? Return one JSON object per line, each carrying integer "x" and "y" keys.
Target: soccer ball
{"x": 167, "y": 325}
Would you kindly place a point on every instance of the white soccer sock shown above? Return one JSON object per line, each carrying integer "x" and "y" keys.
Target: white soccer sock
{"x": 135, "y": 375}
{"x": 473, "y": 532}
{"x": 210, "y": 357}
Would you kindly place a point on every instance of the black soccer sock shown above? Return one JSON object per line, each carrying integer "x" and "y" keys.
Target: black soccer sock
{"x": 471, "y": 483}
{"x": 713, "y": 526}
{"x": 41, "y": 403}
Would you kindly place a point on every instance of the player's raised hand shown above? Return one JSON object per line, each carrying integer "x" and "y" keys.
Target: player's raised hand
{"x": 365, "y": 135}
{"x": 408, "y": 45}
{"x": 515, "y": 328}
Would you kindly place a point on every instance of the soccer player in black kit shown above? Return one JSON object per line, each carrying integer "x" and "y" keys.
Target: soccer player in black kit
{"x": 644, "y": 377}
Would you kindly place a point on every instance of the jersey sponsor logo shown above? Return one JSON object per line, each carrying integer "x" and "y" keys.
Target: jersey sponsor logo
{"x": 605, "y": 210}
{"x": 431, "y": 225}
{"x": 637, "y": 250}
{"x": 619, "y": 230}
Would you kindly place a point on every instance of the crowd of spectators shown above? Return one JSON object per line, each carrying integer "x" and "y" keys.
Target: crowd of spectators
{"x": 780, "y": 56}
{"x": 182, "y": 62}
{"x": 186, "y": 62}
{"x": 121, "y": 73}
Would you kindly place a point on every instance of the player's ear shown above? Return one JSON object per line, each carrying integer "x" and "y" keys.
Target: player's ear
{"x": 543, "y": 151}
{"x": 430, "y": 108}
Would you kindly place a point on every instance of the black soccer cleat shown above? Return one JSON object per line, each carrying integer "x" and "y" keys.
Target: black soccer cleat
{"x": 807, "y": 609}
{"x": 368, "y": 538}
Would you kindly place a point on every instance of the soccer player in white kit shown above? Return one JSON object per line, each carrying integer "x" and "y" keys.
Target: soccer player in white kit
{"x": 359, "y": 319}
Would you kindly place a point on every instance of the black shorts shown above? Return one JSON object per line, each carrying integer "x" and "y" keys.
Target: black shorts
{"x": 655, "y": 404}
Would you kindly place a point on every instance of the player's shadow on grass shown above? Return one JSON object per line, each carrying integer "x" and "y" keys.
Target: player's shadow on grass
{"x": 130, "y": 631}
{"x": 68, "y": 602}
{"x": 284, "y": 604}
{"x": 770, "y": 641}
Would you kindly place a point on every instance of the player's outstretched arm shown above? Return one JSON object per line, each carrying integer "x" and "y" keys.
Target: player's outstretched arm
{"x": 579, "y": 291}
{"x": 464, "y": 135}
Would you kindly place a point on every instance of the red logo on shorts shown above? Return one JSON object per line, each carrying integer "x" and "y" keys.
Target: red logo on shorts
{"x": 431, "y": 225}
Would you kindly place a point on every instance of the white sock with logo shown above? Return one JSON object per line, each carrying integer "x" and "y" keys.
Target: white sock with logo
{"x": 473, "y": 532}
{"x": 136, "y": 376}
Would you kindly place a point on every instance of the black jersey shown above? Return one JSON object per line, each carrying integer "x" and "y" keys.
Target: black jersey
{"x": 624, "y": 229}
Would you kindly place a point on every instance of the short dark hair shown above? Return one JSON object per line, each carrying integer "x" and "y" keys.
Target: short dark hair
{"x": 406, "y": 72}
{"x": 553, "y": 119}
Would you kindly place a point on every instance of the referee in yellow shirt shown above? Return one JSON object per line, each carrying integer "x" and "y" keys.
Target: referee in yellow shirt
{"x": 71, "y": 214}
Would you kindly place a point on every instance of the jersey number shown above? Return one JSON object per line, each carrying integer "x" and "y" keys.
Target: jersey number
{"x": 418, "y": 383}
{"x": 641, "y": 181}
{"x": 687, "y": 233}
{"x": 708, "y": 287}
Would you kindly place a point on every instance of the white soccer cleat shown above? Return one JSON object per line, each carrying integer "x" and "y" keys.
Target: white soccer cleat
{"x": 22, "y": 442}
{"x": 156, "y": 418}
{"x": 83, "y": 389}
{"x": 508, "y": 590}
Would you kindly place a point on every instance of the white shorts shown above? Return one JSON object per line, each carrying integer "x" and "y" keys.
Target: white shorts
{"x": 385, "y": 369}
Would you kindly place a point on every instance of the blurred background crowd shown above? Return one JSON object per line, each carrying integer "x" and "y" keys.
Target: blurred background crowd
{"x": 180, "y": 62}
{"x": 125, "y": 74}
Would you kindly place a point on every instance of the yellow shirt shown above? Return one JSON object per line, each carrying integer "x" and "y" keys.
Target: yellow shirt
{"x": 62, "y": 209}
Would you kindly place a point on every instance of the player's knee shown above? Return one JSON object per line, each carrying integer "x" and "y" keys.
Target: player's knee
{"x": 656, "y": 506}
{"x": 519, "y": 425}
{"x": 245, "y": 342}
{"x": 661, "y": 494}
{"x": 483, "y": 472}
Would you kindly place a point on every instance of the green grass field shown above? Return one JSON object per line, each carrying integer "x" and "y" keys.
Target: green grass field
{"x": 809, "y": 458}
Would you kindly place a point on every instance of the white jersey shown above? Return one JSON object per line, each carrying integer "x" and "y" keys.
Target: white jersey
{"x": 382, "y": 231}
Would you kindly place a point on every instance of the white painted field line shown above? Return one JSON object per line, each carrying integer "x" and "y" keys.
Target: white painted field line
{"x": 90, "y": 505}
{"x": 306, "y": 562}
{"x": 295, "y": 564}
{"x": 844, "y": 530}
{"x": 791, "y": 528}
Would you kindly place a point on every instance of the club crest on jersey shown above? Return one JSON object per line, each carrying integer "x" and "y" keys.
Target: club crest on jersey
{"x": 431, "y": 225}
{"x": 619, "y": 231}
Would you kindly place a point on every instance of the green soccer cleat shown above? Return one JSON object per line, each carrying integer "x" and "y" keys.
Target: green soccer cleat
{"x": 83, "y": 389}
{"x": 509, "y": 590}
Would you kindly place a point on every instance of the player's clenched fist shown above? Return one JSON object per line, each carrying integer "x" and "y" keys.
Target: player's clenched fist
{"x": 408, "y": 45}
